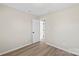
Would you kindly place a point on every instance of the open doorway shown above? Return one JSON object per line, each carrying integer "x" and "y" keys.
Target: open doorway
{"x": 42, "y": 29}
{"x": 38, "y": 30}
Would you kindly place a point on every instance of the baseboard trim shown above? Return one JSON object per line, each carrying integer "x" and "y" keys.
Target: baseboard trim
{"x": 8, "y": 51}
{"x": 32, "y": 43}
{"x": 62, "y": 48}
{"x": 14, "y": 49}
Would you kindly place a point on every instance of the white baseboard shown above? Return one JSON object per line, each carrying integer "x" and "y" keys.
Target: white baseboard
{"x": 13, "y": 49}
{"x": 42, "y": 41}
{"x": 62, "y": 48}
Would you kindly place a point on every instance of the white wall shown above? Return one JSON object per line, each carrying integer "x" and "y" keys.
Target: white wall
{"x": 62, "y": 29}
{"x": 15, "y": 28}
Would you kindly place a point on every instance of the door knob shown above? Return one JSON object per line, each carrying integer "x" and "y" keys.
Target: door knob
{"x": 33, "y": 32}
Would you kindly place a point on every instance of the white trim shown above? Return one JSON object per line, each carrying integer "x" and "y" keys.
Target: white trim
{"x": 32, "y": 43}
{"x": 62, "y": 48}
{"x": 14, "y": 49}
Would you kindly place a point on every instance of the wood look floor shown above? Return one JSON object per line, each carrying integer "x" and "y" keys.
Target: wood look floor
{"x": 39, "y": 49}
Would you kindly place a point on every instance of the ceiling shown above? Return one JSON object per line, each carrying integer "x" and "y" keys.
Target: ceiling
{"x": 39, "y": 9}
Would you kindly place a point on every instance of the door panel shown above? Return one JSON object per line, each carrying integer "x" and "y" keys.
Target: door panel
{"x": 35, "y": 30}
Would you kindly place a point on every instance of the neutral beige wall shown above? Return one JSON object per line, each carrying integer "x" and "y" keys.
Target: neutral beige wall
{"x": 15, "y": 28}
{"x": 62, "y": 29}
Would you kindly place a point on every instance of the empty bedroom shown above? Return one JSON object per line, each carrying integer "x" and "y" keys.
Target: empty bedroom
{"x": 39, "y": 29}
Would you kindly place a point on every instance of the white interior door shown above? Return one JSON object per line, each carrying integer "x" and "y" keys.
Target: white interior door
{"x": 36, "y": 30}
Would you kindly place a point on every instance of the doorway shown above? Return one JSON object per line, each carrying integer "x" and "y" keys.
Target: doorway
{"x": 35, "y": 30}
{"x": 38, "y": 30}
{"x": 42, "y": 29}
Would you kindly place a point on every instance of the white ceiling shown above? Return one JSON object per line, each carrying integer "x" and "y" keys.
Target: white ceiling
{"x": 39, "y": 9}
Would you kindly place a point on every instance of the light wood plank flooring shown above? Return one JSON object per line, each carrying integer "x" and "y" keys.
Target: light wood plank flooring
{"x": 39, "y": 49}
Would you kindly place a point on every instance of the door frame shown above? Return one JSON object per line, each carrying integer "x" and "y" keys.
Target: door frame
{"x": 32, "y": 29}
